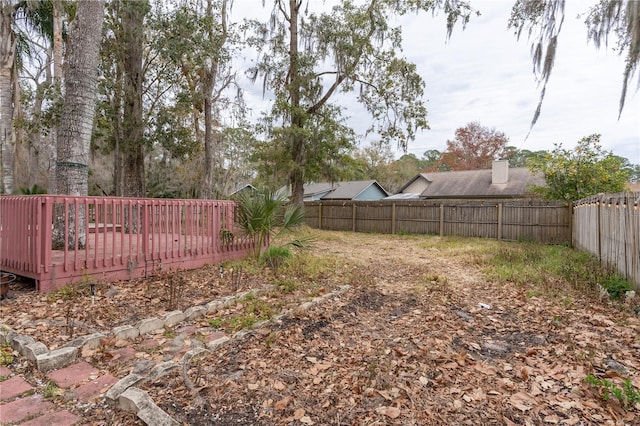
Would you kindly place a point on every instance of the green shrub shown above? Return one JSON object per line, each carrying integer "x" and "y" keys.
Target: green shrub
{"x": 6, "y": 355}
{"x": 626, "y": 394}
{"x": 615, "y": 285}
{"x": 275, "y": 257}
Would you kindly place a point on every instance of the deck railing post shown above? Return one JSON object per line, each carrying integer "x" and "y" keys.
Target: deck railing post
{"x": 146, "y": 216}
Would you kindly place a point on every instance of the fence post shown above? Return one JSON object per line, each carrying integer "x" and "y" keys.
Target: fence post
{"x": 441, "y": 220}
{"x": 146, "y": 216}
{"x": 633, "y": 271}
{"x": 393, "y": 218}
{"x": 353, "y": 217}
{"x": 46, "y": 233}
{"x": 320, "y": 215}
{"x": 598, "y": 228}
{"x": 571, "y": 224}
{"x": 499, "y": 221}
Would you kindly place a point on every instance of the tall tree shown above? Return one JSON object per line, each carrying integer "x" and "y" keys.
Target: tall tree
{"x": 76, "y": 123}
{"x": 542, "y": 22}
{"x": 309, "y": 58}
{"x": 7, "y": 56}
{"x": 74, "y": 132}
{"x": 200, "y": 41}
{"x": 132, "y": 144}
{"x": 474, "y": 147}
{"x": 521, "y": 157}
{"x": 572, "y": 174}
{"x": 37, "y": 93}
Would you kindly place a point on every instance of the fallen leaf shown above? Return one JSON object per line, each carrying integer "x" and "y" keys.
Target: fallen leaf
{"x": 282, "y": 404}
{"x": 392, "y": 412}
{"x": 306, "y": 420}
{"x": 522, "y": 401}
{"x": 385, "y": 395}
{"x": 253, "y": 386}
{"x": 298, "y": 414}
{"x": 278, "y": 385}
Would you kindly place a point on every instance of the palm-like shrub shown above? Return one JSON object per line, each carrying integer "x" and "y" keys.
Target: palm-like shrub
{"x": 264, "y": 214}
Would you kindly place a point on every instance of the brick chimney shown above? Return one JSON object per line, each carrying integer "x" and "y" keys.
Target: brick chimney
{"x": 500, "y": 171}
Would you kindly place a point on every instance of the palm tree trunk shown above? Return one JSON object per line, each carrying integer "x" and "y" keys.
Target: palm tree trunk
{"x": 76, "y": 123}
{"x": 7, "y": 56}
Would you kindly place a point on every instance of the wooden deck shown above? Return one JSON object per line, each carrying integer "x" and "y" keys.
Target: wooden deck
{"x": 169, "y": 234}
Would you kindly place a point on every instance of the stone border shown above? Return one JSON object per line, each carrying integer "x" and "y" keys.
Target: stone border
{"x": 47, "y": 360}
{"x": 124, "y": 392}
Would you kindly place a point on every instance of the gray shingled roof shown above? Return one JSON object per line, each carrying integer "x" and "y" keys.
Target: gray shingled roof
{"x": 350, "y": 190}
{"x": 311, "y": 189}
{"x": 477, "y": 183}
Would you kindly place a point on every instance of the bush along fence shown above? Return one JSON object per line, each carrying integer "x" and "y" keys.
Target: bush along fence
{"x": 608, "y": 225}
{"x": 511, "y": 220}
{"x": 59, "y": 239}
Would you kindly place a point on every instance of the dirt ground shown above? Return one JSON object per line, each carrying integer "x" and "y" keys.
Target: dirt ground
{"x": 420, "y": 337}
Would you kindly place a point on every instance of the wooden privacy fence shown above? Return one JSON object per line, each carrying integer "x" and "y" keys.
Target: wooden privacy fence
{"x": 59, "y": 239}
{"x": 535, "y": 220}
{"x": 608, "y": 225}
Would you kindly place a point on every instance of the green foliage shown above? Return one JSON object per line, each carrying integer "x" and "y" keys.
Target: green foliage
{"x": 254, "y": 309}
{"x": 35, "y": 189}
{"x": 626, "y": 393}
{"x": 215, "y": 322}
{"x": 66, "y": 293}
{"x": 287, "y": 284}
{"x": 581, "y": 172}
{"x": 275, "y": 257}
{"x": 550, "y": 267}
{"x": 615, "y": 285}
{"x": 522, "y": 157}
{"x": 51, "y": 390}
{"x": 6, "y": 355}
{"x": 309, "y": 58}
{"x": 263, "y": 214}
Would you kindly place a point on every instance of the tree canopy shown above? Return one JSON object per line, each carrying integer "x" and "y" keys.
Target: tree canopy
{"x": 572, "y": 174}
{"x": 474, "y": 147}
{"x": 170, "y": 118}
{"x": 309, "y": 57}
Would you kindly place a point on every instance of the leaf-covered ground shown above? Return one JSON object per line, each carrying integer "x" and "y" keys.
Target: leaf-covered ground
{"x": 420, "y": 337}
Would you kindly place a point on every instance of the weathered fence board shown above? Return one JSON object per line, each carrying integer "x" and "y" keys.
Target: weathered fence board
{"x": 543, "y": 221}
{"x": 608, "y": 225}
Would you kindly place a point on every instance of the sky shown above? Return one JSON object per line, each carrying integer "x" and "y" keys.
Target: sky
{"x": 484, "y": 74}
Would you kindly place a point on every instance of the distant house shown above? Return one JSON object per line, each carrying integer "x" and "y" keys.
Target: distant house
{"x": 242, "y": 189}
{"x": 360, "y": 190}
{"x": 498, "y": 182}
{"x": 315, "y": 191}
{"x": 353, "y": 190}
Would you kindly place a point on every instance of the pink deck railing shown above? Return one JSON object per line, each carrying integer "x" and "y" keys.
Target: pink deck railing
{"x": 121, "y": 238}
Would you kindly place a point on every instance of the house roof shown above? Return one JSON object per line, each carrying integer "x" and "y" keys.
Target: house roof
{"x": 312, "y": 189}
{"x": 413, "y": 179}
{"x": 240, "y": 188}
{"x": 337, "y": 190}
{"x": 403, "y": 196}
{"x": 350, "y": 190}
{"x": 477, "y": 183}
